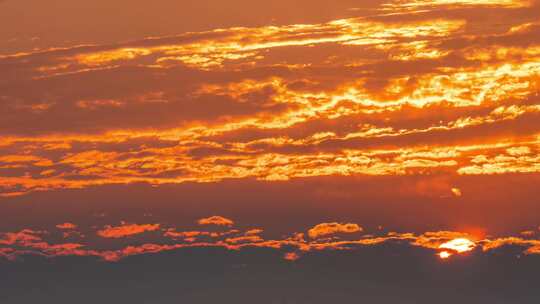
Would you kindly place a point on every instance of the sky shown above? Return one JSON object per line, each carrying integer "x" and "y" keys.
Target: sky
{"x": 380, "y": 151}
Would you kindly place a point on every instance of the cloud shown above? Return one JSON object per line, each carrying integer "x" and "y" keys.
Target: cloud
{"x": 254, "y": 231}
{"x": 395, "y": 93}
{"x": 328, "y": 229}
{"x": 248, "y": 239}
{"x": 291, "y": 256}
{"x": 215, "y": 220}
{"x": 293, "y": 246}
{"x": 126, "y": 230}
{"x": 457, "y": 192}
{"x": 416, "y": 101}
{"x": 66, "y": 226}
{"x": 23, "y": 237}
{"x": 355, "y": 115}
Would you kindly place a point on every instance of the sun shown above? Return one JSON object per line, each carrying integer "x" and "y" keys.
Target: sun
{"x": 444, "y": 254}
{"x": 459, "y": 245}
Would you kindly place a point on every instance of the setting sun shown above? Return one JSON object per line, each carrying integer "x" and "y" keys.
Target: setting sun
{"x": 458, "y": 245}
{"x": 444, "y": 254}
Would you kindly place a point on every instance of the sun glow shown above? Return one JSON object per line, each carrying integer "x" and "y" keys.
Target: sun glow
{"x": 444, "y": 254}
{"x": 459, "y": 245}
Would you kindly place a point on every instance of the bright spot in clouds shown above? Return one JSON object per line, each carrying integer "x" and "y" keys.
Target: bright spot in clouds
{"x": 459, "y": 245}
{"x": 457, "y": 192}
{"x": 444, "y": 254}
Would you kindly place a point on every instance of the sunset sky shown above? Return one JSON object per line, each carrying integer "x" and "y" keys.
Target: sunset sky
{"x": 378, "y": 151}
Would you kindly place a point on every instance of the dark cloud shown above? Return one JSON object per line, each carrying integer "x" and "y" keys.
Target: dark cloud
{"x": 383, "y": 274}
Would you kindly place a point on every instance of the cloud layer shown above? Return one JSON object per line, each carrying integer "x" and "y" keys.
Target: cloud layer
{"x": 413, "y": 88}
{"x": 382, "y": 151}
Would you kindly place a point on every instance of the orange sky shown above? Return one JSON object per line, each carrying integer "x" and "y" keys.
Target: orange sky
{"x": 291, "y": 125}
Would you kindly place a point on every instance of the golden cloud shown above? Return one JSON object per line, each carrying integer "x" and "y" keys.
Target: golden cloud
{"x": 126, "y": 230}
{"x": 327, "y": 229}
{"x": 215, "y": 220}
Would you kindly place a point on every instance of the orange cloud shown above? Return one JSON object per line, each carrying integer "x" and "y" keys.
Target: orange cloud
{"x": 444, "y": 243}
{"x": 528, "y": 233}
{"x": 405, "y": 92}
{"x": 185, "y": 234}
{"x": 66, "y": 226}
{"x": 126, "y": 230}
{"x": 254, "y": 231}
{"x": 326, "y": 229}
{"x": 248, "y": 239}
{"x": 215, "y": 220}
{"x": 23, "y": 237}
{"x": 457, "y": 192}
{"x": 291, "y": 256}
